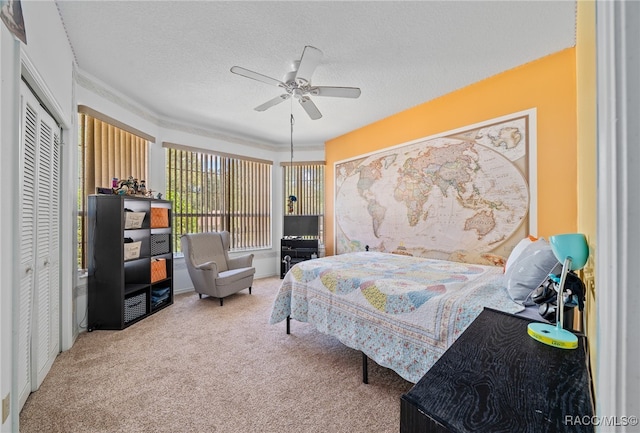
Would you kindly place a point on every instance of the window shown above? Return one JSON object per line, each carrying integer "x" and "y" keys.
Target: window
{"x": 213, "y": 192}
{"x": 304, "y": 181}
{"x": 107, "y": 149}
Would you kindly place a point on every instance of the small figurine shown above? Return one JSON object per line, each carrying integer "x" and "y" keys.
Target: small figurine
{"x": 123, "y": 189}
{"x": 290, "y": 202}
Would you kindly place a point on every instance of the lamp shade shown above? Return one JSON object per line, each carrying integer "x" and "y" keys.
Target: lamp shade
{"x": 572, "y": 245}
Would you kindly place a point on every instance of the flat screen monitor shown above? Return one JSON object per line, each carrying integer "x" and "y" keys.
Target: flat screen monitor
{"x": 300, "y": 225}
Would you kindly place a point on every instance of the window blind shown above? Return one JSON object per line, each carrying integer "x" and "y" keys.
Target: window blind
{"x": 105, "y": 151}
{"x": 305, "y": 181}
{"x": 217, "y": 191}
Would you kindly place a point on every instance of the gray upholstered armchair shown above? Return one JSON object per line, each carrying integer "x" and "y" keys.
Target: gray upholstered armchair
{"x": 211, "y": 270}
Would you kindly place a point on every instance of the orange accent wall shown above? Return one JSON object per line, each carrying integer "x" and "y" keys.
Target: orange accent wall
{"x": 547, "y": 84}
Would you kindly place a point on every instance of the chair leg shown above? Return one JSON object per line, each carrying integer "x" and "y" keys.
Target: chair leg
{"x": 221, "y": 302}
{"x": 200, "y": 294}
{"x": 249, "y": 289}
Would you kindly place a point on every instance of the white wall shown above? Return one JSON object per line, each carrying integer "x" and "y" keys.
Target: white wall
{"x": 48, "y": 62}
{"x": 49, "y": 51}
{"x": 9, "y": 70}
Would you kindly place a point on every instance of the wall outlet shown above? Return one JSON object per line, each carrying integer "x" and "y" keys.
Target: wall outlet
{"x": 5, "y": 407}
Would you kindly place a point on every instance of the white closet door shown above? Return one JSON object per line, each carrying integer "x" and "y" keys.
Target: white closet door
{"x": 28, "y": 139}
{"x": 45, "y": 338}
{"x": 39, "y": 298}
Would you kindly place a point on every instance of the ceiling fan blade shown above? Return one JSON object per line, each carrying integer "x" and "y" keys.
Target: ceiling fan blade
{"x": 310, "y": 108}
{"x": 271, "y": 102}
{"x": 256, "y": 76}
{"x": 311, "y": 57}
{"x": 338, "y": 92}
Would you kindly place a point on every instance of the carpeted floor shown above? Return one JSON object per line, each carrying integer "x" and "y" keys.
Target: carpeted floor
{"x": 199, "y": 367}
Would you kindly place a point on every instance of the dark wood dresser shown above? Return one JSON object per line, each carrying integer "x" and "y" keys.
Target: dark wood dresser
{"x": 495, "y": 378}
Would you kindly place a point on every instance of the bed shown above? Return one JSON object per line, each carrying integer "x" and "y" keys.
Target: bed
{"x": 403, "y": 312}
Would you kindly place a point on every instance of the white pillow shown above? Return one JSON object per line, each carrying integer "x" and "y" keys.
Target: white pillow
{"x": 517, "y": 250}
{"x": 529, "y": 269}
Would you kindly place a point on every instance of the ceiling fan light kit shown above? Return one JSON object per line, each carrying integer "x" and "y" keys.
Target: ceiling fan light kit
{"x": 297, "y": 83}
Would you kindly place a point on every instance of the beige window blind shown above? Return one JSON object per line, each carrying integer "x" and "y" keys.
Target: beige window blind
{"x": 305, "y": 181}
{"x": 218, "y": 191}
{"x": 107, "y": 149}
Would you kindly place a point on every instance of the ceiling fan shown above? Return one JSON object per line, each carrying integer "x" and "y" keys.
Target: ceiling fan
{"x": 297, "y": 83}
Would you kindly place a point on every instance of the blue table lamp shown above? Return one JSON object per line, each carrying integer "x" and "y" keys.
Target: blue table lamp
{"x": 572, "y": 251}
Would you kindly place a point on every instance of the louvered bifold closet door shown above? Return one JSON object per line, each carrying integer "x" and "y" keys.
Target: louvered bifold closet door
{"x": 39, "y": 296}
{"x": 28, "y": 139}
{"x": 46, "y": 338}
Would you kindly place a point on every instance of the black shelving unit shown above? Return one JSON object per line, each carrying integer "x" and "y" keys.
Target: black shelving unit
{"x": 298, "y": 250}
{"x": 121, "y": 289}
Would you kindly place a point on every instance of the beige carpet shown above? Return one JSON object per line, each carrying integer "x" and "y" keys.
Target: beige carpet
{"x": 199, "y": 367}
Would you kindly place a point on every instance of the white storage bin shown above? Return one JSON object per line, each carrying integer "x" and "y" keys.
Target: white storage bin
{"x": 132, "y": 250}
{"x": 133, "y": 220}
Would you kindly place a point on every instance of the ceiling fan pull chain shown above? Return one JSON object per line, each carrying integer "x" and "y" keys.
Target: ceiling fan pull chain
{"x": 292, "y": 122}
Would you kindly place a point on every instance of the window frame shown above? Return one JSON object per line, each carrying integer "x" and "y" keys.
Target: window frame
{"x": 125, "y": 153}
{"x": 306, "y": 181}
{"x": 237, "y": 188}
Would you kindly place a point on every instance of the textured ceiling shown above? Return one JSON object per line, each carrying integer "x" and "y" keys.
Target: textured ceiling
{"x": 174, "y": 57}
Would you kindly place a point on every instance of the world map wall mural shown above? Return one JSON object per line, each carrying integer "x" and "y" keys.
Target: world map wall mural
{"x": 462, "y": 195}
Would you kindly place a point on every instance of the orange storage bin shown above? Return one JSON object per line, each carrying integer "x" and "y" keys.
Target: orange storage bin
{"x": 159, "y": 217}
{"x": 158, "y": 270}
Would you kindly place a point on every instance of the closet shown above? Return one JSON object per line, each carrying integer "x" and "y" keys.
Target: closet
{"x": 38, "y": 297}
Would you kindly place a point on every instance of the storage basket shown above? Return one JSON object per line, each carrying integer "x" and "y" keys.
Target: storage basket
{"x": 132, "y": 250}
{"x": 158, "y": 270}
{"x": 133, "y": 220}
{"x": 159, "y": 217}
{"x": 135, "y": 306}
{"x": 160, "y": 244}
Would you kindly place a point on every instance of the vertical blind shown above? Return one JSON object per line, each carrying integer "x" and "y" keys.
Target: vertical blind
{"x": 106, "y": 151}
{"x": 305, "y": 181}
{"x": 113, "y": 153}
{"x": 214, "y": 191}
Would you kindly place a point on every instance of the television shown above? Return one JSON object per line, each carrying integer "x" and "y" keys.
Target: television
{"x": 300, "y": 225}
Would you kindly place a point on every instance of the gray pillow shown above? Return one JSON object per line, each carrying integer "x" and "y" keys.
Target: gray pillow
{"x": 529, "y": 270}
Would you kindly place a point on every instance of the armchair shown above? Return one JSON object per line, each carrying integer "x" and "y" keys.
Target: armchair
{"x": 211, "y": 269}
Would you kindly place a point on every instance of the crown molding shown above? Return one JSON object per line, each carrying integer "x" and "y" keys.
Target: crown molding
{"x": 94, "y": 86}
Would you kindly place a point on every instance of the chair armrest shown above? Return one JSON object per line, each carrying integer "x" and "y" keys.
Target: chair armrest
{"x": 245, "y": 261}
{"x": 208, "y": 266}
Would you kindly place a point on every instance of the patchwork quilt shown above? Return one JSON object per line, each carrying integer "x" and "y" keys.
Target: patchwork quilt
{"x": 403, "y": 312}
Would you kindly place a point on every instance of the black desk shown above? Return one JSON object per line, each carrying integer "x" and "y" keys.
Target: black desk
{"x": 298, "y": 251}
{"x": 495, "y": 378}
